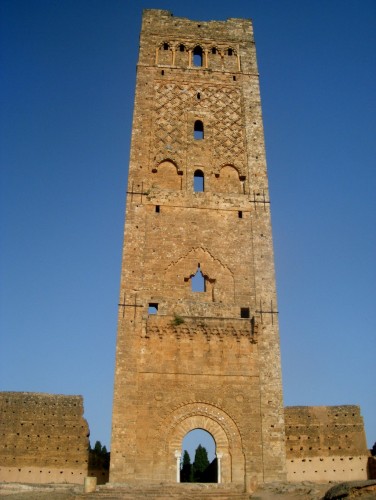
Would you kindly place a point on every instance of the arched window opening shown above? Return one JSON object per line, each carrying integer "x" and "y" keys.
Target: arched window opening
{"x": 198, "y": 181}
{"x": 165, "y": 46}
{"x": 198, "y": 130}
{"x": 229, "y": 52}
{"x": 199, "y": 462}
{"x": 197, "y": 56}
{"x": 198, "y": 281}
{"x": 214, "y": 50}
{"x": 181, "y": 47}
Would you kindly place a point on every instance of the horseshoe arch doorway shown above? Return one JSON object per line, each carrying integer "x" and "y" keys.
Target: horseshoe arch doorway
{"x": 229, "y": 453}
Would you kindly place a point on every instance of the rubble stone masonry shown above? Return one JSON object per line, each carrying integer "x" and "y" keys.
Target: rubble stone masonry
{"x": 44, "y": 438}
{"x": 325, "y": 443}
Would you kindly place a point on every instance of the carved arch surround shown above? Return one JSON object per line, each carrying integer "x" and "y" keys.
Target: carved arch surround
{"x": 240, "y": 169}
{"x": 166, "y": 176}
{"x": 160, "y": 159}
{"x": 228, "y": 180}
{"x": 206, "y": 416}
{"x": 216, "y": 271}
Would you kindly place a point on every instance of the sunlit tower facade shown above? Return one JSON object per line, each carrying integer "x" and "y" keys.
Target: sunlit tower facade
{"x": 198, "y": 340}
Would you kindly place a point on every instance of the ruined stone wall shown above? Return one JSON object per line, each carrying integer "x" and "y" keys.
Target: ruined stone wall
{"x": 325, "y": 443}
{"x": 218, "y": 367}
{"x": 44, "y": 438}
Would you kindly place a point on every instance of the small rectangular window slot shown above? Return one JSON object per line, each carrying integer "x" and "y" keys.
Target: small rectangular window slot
{"x": 234, "y": 78}
{"x": 153, "y": 308}
{"x": 244, "y": 312}
{"x": 240, "y": 214}
{"x": 157, "y": 209}
{"x": 162, "y": 72}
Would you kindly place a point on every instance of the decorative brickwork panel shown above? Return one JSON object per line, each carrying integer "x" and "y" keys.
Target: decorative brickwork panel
{"x": 221, "y": 111}
{"x": 181, "y": 327}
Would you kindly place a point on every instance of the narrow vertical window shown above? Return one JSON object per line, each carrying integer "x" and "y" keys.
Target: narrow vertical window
{"x": 157, "y": 209}
{"x": 240, "y": 214}
{"x": 198, "y": 130}
{"x": 229, "y": 52}
{"x": 165, "y": 46}
{"x": 198, "y": 281}
{"x": 198, "y": 181}
{"x": 197, "y": 56}
{"x": 181, "y": 48}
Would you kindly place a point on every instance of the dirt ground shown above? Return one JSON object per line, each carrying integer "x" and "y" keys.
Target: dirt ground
{"x": 286, "y": 491}
{"x": 273, "y": 491}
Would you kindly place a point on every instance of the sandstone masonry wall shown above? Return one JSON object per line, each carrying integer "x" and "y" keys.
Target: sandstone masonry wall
{"x": 44, "y": 438}
{"x": 187, "y": 359}
{"x": 325, "y": 443}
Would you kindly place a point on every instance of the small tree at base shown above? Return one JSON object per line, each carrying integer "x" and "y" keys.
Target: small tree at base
{"x": 200, "y": 464}
{"x": 373, "y": 450}
{"x": 186, "y": 468}
{"x": 99, "y": 456}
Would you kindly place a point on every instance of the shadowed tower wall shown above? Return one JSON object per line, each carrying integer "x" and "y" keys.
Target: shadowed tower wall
{"x": 197, "y": 207}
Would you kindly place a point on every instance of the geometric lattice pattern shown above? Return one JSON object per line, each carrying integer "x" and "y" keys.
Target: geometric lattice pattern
{"x": 172, "y": 101}
{"x": 228, "y": 127}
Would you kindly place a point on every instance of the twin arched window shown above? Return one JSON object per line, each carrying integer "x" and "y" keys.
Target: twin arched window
{"x": 198, "y": 177}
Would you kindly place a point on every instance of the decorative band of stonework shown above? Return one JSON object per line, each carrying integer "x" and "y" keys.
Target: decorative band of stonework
{"x": 210, "y": 332}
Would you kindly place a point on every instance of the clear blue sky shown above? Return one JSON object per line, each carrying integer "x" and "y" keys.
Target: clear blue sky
{"x": 66, "y": 89}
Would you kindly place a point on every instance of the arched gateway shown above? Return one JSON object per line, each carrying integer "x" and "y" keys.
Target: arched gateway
{"x": 224, "y": 431}
{"x": 192, "y": 357}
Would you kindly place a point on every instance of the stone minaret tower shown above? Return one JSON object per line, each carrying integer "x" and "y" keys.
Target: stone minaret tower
{"x": 198, "y": 342}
